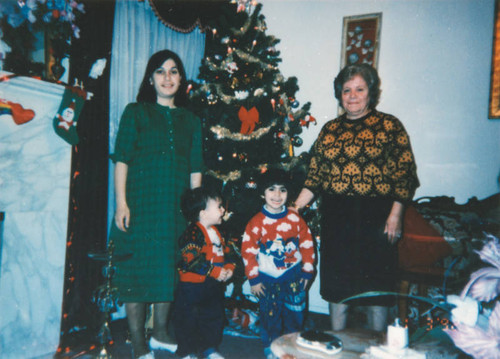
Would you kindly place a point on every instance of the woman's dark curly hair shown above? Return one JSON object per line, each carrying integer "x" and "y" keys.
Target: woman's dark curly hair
{"x": 193, "y": 201}
{"x": 147, "y": 92}
{"x": 368, "y": 73}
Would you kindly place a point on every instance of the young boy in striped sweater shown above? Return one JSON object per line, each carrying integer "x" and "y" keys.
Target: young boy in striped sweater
{"x": 279, "y": 256}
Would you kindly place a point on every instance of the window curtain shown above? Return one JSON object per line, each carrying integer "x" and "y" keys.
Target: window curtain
{"x": 138, "y": 34}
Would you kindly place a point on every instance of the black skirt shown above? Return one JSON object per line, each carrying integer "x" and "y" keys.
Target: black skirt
{"x": 355, "y": 254}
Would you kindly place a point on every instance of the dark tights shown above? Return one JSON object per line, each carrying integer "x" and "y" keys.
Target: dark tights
{"x": 136, "y": 317}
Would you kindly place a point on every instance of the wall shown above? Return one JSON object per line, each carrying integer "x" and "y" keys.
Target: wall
{"x": 434, "y": 62}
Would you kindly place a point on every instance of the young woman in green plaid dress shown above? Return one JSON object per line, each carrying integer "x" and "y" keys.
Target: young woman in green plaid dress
{"x": 158, "y": 154}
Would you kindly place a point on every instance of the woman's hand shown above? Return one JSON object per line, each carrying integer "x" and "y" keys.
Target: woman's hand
{"x": 122, "y": 214}
{"x": 122, "y": 217}
{"x": 305, "y": 196}
{"x": 394, "y": 223}
{"x": 258, "y": 290}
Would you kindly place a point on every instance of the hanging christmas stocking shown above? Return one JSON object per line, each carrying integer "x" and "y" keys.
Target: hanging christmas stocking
{"x": 67, "y": 116}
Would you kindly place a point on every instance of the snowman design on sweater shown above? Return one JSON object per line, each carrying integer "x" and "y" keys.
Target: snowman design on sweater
{"x": 275, "y": 244}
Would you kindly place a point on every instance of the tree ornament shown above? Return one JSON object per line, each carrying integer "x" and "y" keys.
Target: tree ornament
{"x": 243, "y": 157}
{"x": 296, "y": 141}
{"x": 234, "y": 83}
{"x": 212, "y": 99}
{"x": 232, "y": 67}
{"x": 254, "y": 42}
{"x": 258, "y": 92}
{"x": 295, "y": 104}
{"x": 241, "y": 95}
{"x": 252, "y": 184}
{"x": 307, "y": 120}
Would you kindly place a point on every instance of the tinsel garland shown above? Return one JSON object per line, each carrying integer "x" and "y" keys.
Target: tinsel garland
{"x": 231, "y": 176}
{"x": 223, "y": 132}
{"x": 250, "y": 58}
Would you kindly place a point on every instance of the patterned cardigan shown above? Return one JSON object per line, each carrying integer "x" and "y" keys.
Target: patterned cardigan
{"x": 369, "y": 157}
{"x": 200, "y": 257}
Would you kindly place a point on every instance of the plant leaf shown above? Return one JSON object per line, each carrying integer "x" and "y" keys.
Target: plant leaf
{"x": 443, "y": 305}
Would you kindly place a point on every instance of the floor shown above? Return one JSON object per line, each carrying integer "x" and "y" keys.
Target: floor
{"x": 235, "y": 344}
{"x": 231, "y": 347}
{"x": 246, "y": 347}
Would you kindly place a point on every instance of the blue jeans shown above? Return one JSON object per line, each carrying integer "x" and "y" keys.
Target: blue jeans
{"x": 281, "y": 308}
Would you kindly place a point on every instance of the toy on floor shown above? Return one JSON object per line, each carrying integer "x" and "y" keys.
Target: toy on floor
{"x": 321, "y": 341}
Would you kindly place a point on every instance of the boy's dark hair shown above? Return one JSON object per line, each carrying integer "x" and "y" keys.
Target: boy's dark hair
{"x": 193, "y": 201}
{"x": 273, "y": 176}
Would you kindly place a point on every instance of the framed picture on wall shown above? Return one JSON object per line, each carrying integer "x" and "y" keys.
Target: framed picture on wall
{"x": 494, "y": 106}
{"x": 361, "y": 39}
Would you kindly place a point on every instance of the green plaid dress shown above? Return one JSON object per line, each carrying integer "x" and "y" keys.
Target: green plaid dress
{"x": 162, "y": 147}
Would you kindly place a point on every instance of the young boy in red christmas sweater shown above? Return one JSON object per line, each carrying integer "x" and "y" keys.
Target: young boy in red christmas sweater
{"x": 279, "y": 255}
{"x": 208, "y": 260}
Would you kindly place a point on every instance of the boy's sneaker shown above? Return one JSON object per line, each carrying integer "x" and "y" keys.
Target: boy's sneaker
{"x": 215, "y": 355}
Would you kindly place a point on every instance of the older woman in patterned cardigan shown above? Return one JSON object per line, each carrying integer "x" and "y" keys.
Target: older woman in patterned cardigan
{"x": 363, "y": 167}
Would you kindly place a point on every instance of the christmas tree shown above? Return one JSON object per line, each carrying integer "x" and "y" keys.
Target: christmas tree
{"x": 251, "y": 119}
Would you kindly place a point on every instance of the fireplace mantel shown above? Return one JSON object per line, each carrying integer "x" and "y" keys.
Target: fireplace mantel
{"x": 34, "y": 193}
